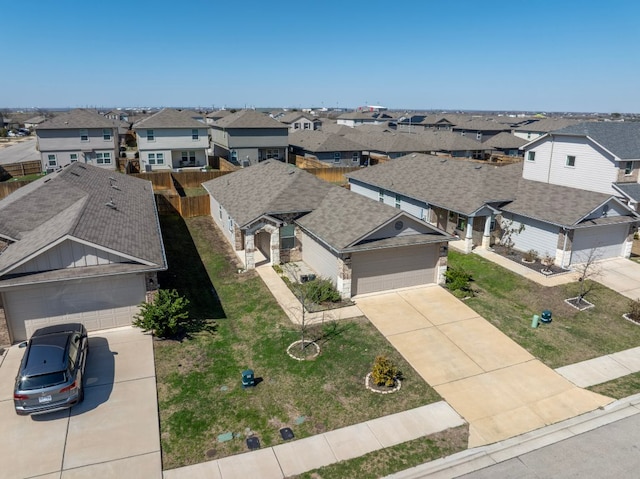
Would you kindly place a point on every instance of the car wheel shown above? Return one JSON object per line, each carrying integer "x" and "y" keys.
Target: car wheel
{"x": 81, "y": 395}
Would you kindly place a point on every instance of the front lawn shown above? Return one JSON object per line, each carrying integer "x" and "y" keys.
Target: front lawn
{"x": 199, "y": 379}
{"x": 509, "y": 301}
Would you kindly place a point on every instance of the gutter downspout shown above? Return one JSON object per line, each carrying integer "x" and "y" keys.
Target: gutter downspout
{"x": 550, "y": 160}
{"x": 564, "y": 246}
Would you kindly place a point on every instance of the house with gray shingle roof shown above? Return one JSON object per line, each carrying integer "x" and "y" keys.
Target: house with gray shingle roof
{"x": 172, "y": 139}
{"x": 357, "y": 118}
{"x": 248, "y": 137}
{"x": 278, "y": 213}
{"x": 476, "y": 201}
{"x": 298, "y": 121}
{"x": 338, "y": 150}
{"x": 82, "y": 244}
{"x": 505, "y": 143}
{"x": 79, "y": 135}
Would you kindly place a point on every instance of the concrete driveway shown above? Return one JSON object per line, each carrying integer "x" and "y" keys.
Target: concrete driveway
{"x": 495, "y": 384}
{"x": 621, "y": 275}
{"x": 113, "y": 433}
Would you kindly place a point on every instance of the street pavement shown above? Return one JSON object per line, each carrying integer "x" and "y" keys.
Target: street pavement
{"x": 18, "y": 152}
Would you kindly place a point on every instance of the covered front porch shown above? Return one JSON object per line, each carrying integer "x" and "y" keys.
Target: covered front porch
{"x": 477, "y": 229}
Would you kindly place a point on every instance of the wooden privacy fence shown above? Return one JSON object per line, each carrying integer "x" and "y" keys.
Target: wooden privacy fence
{"x": 164, "y": 180}
{"x": 185, "y": 206}
{"x": 305, "y": 162}
{"x": 8, "y": 187}
{"x": 333, "y": 175}
{"x": 20, "y": 169}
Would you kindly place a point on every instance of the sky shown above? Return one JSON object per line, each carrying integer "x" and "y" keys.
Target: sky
{"x": 559, "y": 55}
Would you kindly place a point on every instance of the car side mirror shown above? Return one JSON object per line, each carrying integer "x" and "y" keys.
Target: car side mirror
{"x": 23, "y": 344}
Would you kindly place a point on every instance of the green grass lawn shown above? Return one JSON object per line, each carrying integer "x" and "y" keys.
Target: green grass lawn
{"x": 509, "y": 301}
{"x": 199, "y": 379}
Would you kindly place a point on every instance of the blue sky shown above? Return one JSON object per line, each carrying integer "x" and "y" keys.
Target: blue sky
{"x": 560, "y": 55}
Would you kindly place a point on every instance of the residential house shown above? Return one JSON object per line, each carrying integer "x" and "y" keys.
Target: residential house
{"x": 278, "y": 213}
{"x": 82, "y": 244}
{"x": 540, "y": 126}
{"x": 594, "y": 156}
{"x": 120, "y": 115}
{"x": 214, "y": 116}
{"x": 386, "y": 144}
{"x": 34, "y": 121}
{"x": 357, "y": 118}
{"x": 338, "y": 150}
{"x": 171, "y": 139}
{"x": 248, "y": 137}
{"x": 448, "y": 143}
{"x": 478, "y": 201}
{"x": 505, "y": 144}
{"x": 299, "y": 121}
{"x": 78, "y": 135}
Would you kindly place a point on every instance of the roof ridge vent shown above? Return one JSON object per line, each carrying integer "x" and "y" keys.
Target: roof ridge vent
{"x": 111, "y": 204}
{"x": 477, "y": 167}
{"x": 112, "y": 182}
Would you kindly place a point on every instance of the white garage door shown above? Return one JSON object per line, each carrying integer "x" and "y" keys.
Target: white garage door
{"x": 608, "y": 241}
{"x": 381, "y": 270}
{"x": 99, "y": 303}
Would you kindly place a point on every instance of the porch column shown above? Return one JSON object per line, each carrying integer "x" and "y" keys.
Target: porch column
{"x": 237, "y": 238}
{"x": 486, "y": 235}
{"x": 343, "y": 281}
{"x": 468, "y": 239}
{"x": 249, "y": 249}
{"x": 275, "y": 246}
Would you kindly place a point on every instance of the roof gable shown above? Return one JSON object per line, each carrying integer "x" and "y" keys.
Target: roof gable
{"x": 249, "y": 119}
{"x": 170, "y": 118}
{"x": 78, "y": 118}
{"x": 621, "y": 139}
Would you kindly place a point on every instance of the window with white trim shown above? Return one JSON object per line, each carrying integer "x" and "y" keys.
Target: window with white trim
{"x": 103, "y": 158}
{"x": 73, "y": 157}
{"x": 307, "y": 126}
{"x": 571, "y": 161}
{"x": 151, "y": 158}
{"x": 355, "y": 157}
{"x": 628, "y": 168}
{"x": 381, "y": 195}
{"x": 234, "y": 156}
{"x": 195, "y": 134}
{"x": 531, "y": 156}
{"x": 188, "y": 156}
{"x": 151, "y": 135}
{"x": 106, "y": 134}
{"x": 398, "y": 200}
{"x": 160, "y": 158}
{"x": 337, "y": 157}
{"x": 230, "y": 221}
{"x": 84, "y": 134}
{"x": 52, "y": 160}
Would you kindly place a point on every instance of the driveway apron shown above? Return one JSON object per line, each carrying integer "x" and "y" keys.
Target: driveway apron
{"x": 621, "y": 275}
{"x": 491, "y": 381}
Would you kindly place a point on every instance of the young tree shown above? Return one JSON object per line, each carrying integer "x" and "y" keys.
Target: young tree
{"x": 588, "y": 268}
{"x": 508, "y": 231}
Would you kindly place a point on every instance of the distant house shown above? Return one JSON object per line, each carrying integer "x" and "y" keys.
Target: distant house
{"x": 77, "y": 135}
{"x": 449, "y": 143}
{"x": 80, "y": 245}
{"x": 385, "y": 144}
{"x": 34, "y": 121}
{"x": 172, "y": 139}
{"x": 214, "y": 116}
{"x": 357, "y": 118}
{"x": 119, "y": 115}
{"x": 477, "y": 201}
{"x": 506, "y": 144}
{"x": 248, "y": 137}
{"x": 536, "y": 128}
{"x": 332, "y": 148}
{"x": 299, "y": 121}
{"x": 277, "y": 213}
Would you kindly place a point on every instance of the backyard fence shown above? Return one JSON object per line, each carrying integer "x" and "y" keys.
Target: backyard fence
{"x": 305, "y": 162}
{"x": 169, "y": 202}
{"x": 333, "y": 175}
{"x": 8, "y": 187}
{"x": 20, "y": 169}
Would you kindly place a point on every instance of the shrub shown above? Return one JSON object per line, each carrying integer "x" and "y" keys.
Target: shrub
{"x": 530, "y": 255}
{"x": 458, "y": 279}
{"x": 166, "y": 316}
{"x": 634, "y": 310}
{"x": 321, "y": 290}
{"x": 384, "y": 372}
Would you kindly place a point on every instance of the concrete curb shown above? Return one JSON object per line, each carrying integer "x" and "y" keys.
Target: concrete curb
{"x": 472, "y": 460}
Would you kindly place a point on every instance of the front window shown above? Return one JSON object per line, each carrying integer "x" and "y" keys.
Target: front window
{"x": 462, "y": 222}
{"x": 194, "y": 134}
{"x": 150, "y": 135}
{"x": 531, "y": 156}
{"x": 103, "y": 158}
{"x": 73, "y": 157}
{"x": 287, "y": 237}
{"x": 628, "y": 168}
{"x": 160, "y": 158}
{"x": 337, "y": 157}
{"x": 188, "y": 156}
{"x": 355, "y": 157}
{"x": 151, "y": 158}
{"x": 398, "y": 200}
{"x": 106, "y": 134}
{"x": 84, "y": 135}
{"x": 307, "y": 126}
{"x": 51, "y": 160}
{"x": 273, "y": 153}
{"x": 571, "y": 161}
{"x": 296, "y": 126}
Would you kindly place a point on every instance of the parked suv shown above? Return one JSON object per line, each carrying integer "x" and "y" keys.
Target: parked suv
{"x": 52, "y": 370}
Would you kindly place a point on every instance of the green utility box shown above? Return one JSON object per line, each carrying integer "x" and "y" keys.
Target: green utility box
{"x": 248, "y": 379}
{"x": 545, "y": 317}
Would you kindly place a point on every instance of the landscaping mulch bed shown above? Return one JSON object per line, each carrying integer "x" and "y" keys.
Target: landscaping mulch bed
{"x": 518, "y": 257}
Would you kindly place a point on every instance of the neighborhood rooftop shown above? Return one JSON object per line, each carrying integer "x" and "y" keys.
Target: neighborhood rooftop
{"x": 621, "y": 139}
{"x": 248, "y": 119}
{"x": 78, "y": 118}
{"x": 170, "y": 118}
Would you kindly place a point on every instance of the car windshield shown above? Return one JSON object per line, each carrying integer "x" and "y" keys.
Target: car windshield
{"x": 41, "y": 381}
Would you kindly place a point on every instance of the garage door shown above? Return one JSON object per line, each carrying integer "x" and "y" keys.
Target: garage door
{"x": 608, "y": 241}
{"x": 393, "y": 268}
{"x": 99, "y": 303}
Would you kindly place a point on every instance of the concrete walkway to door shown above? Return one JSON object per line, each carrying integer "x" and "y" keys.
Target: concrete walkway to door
{"x": 492, "y": 382}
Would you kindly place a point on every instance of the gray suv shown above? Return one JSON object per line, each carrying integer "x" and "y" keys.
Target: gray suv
{"x": 52, "y": 370}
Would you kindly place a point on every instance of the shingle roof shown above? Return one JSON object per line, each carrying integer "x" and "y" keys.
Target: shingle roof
{"x": 270, "y": 187}
{"x": 72, "y": 202}
{"x": 320, "y": 141}
{"x": 389, "y": 142}
{"x": 170, "y": 118}
{"x": 78, "y": 118}
{"x": 292, "y": 116}
{"x": 621, "y": 139}
{"x": 458, "y": 185}
{"x": 545, "y": 125}
{"x": 505, "y": 140}
{"x": 248, "y": 119}
{"x": 632, "y": 190}
{"x": 448, "y": 141}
